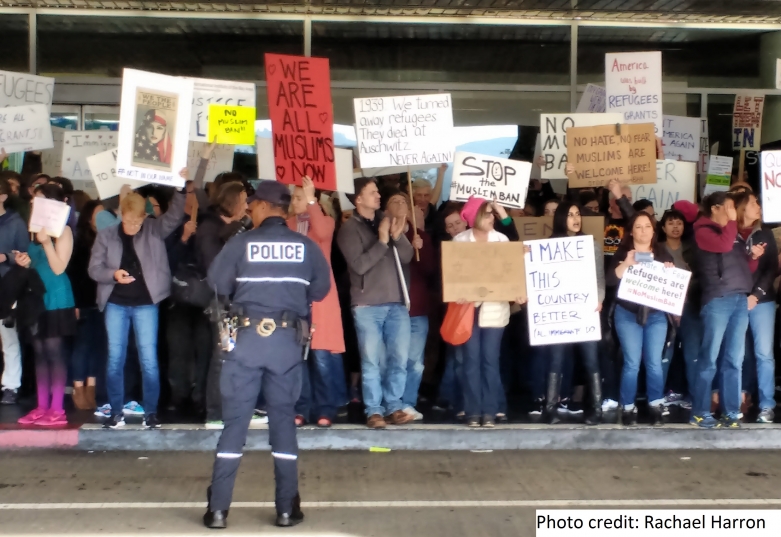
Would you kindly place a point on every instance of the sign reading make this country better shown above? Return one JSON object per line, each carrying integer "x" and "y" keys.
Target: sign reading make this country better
{"x": 490, "y": 178}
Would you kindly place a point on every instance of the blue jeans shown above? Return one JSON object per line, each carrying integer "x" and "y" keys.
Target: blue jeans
{"x": 761, "y": 322}
{"x": 689, "y": 336}
{"x": 118, "y": 320}
{"x": 641, "y": 343}
{"x": 450, "y": 385}
{"x": 481, "y": 381}
{"x": 417, "y": 349}
{"x": 329, "y": 388}
{"x": 724, "y": 321}
{"x": 384, "y": 341}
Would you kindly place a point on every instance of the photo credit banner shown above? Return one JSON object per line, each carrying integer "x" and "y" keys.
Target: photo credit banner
{"x": 302, "y": 120}
{"x": 681, "y": 139}
{"x": 656, "y": 286}
{"x": 553, "y": 137}
{"x": 561, "y": 283}
{"x": 747, "y": 121}
{"x": 233, "y": 125}
{"x": 592, "y": 100}
{"x": 483, "y": 271}
{"x": 489, "y": 178}
{"x": 771, "y": 186}
{"x": 25, "y": 128}
{"x": 225, "y": 92}
{"x": 19, "y": 89}
{"x": 404, "y": 131}
{"x": 633, "y": 87}
{"x": 675, "y": 181}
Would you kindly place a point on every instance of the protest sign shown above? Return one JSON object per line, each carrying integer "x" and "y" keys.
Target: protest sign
{"x": 771, "y": 186}
{"x": 747, "y": 121}
{"x": 778, "y": 73}
{"x": 220, "y": 161}
{"x": 51, "y": 159}
{"x": 344, "y": 171}
{"x": 561, "y": 282}
{"x": 404, "y": 131}
{"x": 592, "y": 100}
{"x": 225, "y": 92}
{"x": 234, "y": 125}
{"x": 77, "y": 146}
{"x": 25, "y": 128}
{"x": 719, "y": 174}
{"x": 540, "y": 227}
{"x": 18, "y": 89}
{"x": 675, "y": 180}
{"x": 602, "y": 153}
{"x": 656, "y": 286}
{"x": 702, "y": 163}
{"x": 633, "y": 87}
{"x": 103, "y": 167}
{"x": 553, "y": 137}
{"x": 681, "y": 138}
{"x": 154, "y": 125}
{"x": 490, "y": 178}
{"x": 49, "y": 215}
{"x": 482, "y": 271}
{"x": 302, "y": 121}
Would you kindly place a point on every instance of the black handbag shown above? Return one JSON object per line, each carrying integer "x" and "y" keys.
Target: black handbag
{"x": 189, "y": 287}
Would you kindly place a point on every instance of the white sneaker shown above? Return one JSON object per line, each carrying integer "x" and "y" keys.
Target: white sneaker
{"x": 609, "y": 404}
{"x": 258, "y": 421}
{"x": 410, "y": 410}
{"x": 214, "y": 425}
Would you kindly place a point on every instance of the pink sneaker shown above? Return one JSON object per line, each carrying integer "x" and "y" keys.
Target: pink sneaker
{"x": 32, "y": 417}
{"x": 53, "y": 418}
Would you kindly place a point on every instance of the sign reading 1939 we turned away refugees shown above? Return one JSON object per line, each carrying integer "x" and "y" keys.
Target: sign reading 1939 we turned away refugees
{"x": 490, "y": 178}
{"x": 404, "y": 131}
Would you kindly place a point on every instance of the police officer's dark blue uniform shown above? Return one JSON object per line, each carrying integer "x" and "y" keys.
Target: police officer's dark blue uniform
{"x": 273, "y": 275}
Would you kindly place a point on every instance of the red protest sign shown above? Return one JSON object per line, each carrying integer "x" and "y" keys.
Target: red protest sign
{"x": 302, "y": 121}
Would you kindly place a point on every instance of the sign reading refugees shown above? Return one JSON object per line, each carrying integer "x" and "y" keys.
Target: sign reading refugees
{"x": 771, "y": 186}
{"x": 302, "y": 120}
{"x": 719, "y": 174}
{"x": 233, "y": 125}
{"x": 675, "y": 181}
{"x": 561, "y": 284}
{"x": 18, "y": 89}
{"x": 592, "y": 100}
{"x": 49, "y": 215}
{"x": 408, "y": 130}
{"x": 553, "y": 136}
{"x": 602, "y": 153}
{"x": 77, "y": 146}
{"x": 656, "y": 286}
{"x": 747, "y": 121}
{"x": 25, "y": 128}
{"x": 482, "y": 271}
{"x": 681, "y": 138}
{"x": 633, "y": 87}
{"x": 490, "y": 178}
{"x": 225, "y": 92}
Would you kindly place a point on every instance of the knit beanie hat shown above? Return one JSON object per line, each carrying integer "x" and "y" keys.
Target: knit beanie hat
{"x": 469, "y": 212}
{"x": 688, "y": 209}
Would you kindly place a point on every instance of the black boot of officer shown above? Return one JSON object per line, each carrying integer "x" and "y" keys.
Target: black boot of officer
{"x": 215, "y": 520}
{"x": 285, "y": 520}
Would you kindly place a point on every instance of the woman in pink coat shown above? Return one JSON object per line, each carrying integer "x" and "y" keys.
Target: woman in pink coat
{"x": 328, "y": 386}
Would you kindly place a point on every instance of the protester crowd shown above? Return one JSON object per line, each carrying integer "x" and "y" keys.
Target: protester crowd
{"x": 139, "y": 260}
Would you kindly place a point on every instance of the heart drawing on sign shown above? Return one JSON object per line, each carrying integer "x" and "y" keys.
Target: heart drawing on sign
{"x": 280, "y": 172}
{"x": 272, "y": 69}
{"x": 324, "y": 117}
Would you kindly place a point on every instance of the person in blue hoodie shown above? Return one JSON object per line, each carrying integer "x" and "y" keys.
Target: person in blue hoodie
{"x": 13, "y": 238}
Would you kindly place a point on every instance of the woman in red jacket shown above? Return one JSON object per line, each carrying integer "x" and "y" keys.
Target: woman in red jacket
{"x": 330, "y": 390}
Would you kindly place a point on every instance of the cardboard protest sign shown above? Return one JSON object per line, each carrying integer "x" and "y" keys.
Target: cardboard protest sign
{"x": 719, "y": 174}
{"x": 656, "y": 286}
{"x": 633, "y": 87}
{"x": 490, "y": 178}
{"x": 302, "y": 121}
{"x": 561, "y": 283}
{"x": 18, "y": 89}
{"x": 234, "y": 125}
{"x": 553, "y": 137}
{"x": 747, "y": 121}
{"x": 25, "y": 128}
{"x": 675, "y": 181}
{"x": 771, "y": 186}
{"x": 482, "y": 271}
{"x": 404, "y": 131}
{"x": 103, "y": 167}
{"x": 540, "y": 227}
{"x": 154, "y": 125}
{"x": 592, "y": 100}
{"x": 681, "y": 138}
{"x": 225, "y": 92}
{"x": 221, "y": 160}
{"x": 602, "y": 153}
{"x": 49, "y": 215}
{"x": 51, "y": 159}
{"x": 77, "y": 146}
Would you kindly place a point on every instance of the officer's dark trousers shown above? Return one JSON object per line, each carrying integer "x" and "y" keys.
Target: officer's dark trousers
{"x": 240, "y": 384}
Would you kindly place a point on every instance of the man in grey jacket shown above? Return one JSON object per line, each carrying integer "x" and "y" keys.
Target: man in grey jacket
{"x": 375, "y": 249}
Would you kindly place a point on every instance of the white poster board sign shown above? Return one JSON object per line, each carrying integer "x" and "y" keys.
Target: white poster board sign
{"x": 221, "y": 161}
{"x": 702, "y": 163}
{"x": 681, "y": 139}
{"x": 103, "y": 167}
{"x": 50, "y": 215}
{"x": 25, "y": 128}
{"x": 770, "y": 179}
{"x": 223, "y": 92}
{"x": 154, "y": 127}
{"x": 719, "y": 174}
{"x": 633, "y": 87}
{"x": 592, "y": 101}
{"x": 51, "y": 159}
{"x": 561, "y": 283}
{"x": 506, "y": 181}
{"x": 747, "y": 121}
{"x": 656, "y": 286}
{"x": 553, "y": 137}
{"x": 675, "y": 181}
{"x": 77, "y": 146}
{"x": 17, "y": 89}
{"x": 404, "y": 131}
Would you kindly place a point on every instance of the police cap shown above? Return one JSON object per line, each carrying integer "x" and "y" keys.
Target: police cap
{"x": 272, "y": 192}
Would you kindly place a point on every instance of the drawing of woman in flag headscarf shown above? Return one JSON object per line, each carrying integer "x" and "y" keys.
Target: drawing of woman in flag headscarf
{"x": 155, "y": 130}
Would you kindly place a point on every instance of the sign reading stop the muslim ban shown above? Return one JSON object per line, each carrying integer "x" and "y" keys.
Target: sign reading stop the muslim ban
{"x": 404, "y": 131}
{"x": 771, "y": 186}
{"x": 302, "y": 121}
{"x": 234, "y": 125}
{"x": 633, "y": 86}
{"x": 747, "y": 121}
{"x": 490, "y": 178}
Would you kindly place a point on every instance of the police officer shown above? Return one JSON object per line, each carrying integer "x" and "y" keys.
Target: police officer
{"x": 273, "y": 275}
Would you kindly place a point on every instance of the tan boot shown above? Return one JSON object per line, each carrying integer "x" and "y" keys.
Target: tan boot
{"x": 89, "y": 396}
{"x": 79, "y": 398}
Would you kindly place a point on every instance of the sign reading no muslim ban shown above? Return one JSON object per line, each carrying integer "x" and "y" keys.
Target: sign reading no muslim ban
{"x": 771, "y": 186}
{"x": 404, "y": 131}
{"x": 553, "y": 136}
{"x": 490, "y": 178}
{"x": 633, "y": 87}
{"x": 224, "y": 92}
{"x": 675, "y": 181}
{"x": 747, "y": 121}
{"x": 561, "y": 283}
{"x": 656, "y": 286}
{"x": 681, "y": 138}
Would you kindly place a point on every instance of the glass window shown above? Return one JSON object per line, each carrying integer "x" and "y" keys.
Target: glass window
{"x": 101, "y": 118}
{"x": 102, "y": 46}
{"x": 16, "y": 46}
{"x": 65, "y": 116}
